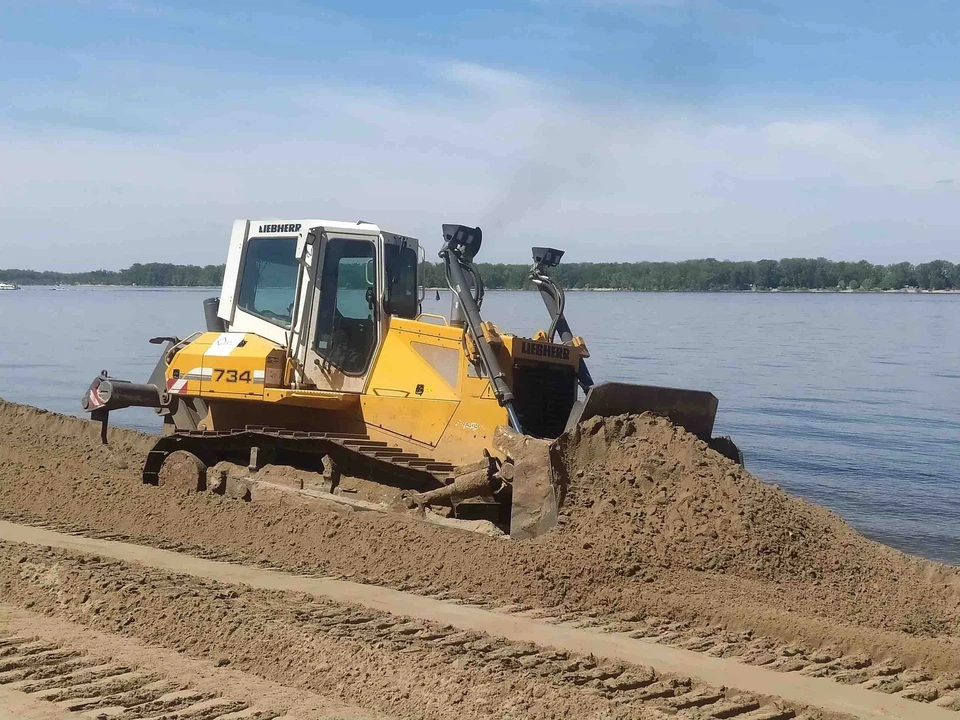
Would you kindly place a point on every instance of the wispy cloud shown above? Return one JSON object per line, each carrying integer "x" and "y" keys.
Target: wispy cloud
{"x": 622, "y": 4}
{"x": 527, "y": 159}
{"x": 637, "y": 4}
{"x": 486, "y": 80}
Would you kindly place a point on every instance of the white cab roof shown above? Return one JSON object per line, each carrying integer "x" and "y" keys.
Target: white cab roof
{"x": 365, "y": 228}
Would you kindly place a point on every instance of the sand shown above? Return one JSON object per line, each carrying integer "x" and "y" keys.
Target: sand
{"x": 655, "y": 524}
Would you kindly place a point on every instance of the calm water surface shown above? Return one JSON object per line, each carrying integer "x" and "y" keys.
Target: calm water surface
{"x": 852, "y": 401}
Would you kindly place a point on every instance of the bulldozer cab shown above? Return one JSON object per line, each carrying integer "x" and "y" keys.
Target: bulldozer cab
{"x": 324, "y": 290}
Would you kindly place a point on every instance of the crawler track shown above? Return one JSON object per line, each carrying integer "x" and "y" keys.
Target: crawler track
{"x": 357, "y": 454}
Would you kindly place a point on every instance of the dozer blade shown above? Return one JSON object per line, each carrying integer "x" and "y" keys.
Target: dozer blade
{"x": 539, "y": 482}
{"x": 540, "y": 478}
{"x": 693, "y": 410}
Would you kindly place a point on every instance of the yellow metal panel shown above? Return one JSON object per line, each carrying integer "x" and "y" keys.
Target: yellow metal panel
{"x": 234, "y": 365}
{"x": 417, "y": 359}
{"x": 470, "y": 431}
{"x": 228, "y": 412}
{"x": 221, "y": 365}
{"x": 185, "y": 371}
{"x": 415, "y": 418}
{"x": 443, "y": 332}
{"x": 416, "y": 389}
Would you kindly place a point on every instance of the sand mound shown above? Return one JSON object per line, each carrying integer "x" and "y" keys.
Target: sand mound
{"x": 656, "y": 523}
{"x": 647, "y": 486}
{"x": 646, "y": 494}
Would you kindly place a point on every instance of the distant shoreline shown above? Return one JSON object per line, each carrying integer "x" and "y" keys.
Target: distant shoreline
{"x": 703, "y": 275}
{"x": 758, "y": 291}
{"x": 781, "y": 291}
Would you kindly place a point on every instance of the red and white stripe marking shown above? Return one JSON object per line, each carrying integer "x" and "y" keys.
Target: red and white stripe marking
{"x": 178, "y": 386}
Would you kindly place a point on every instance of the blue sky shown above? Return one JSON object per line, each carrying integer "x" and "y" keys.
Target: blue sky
{"x": 136, "y": 130}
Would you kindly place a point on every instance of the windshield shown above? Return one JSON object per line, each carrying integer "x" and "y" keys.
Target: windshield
{"x": 269, "y": 280}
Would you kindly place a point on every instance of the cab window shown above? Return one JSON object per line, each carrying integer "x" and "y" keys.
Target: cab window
{"x": 268, "y": 282}
{"x": 401, "y": 262}
{"x": 346, "y": 332}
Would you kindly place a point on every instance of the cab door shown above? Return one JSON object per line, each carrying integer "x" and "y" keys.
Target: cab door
{"x": 345, "y": 322}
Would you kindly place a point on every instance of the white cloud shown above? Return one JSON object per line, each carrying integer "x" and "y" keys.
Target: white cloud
{"x": 622, "y": 4}
{"x": 529, "y": 163}
{"x": 638, "y": 3}
{"x": 486, "y": 80}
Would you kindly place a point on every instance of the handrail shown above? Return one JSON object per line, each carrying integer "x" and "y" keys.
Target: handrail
{"x": 433, "y": 315}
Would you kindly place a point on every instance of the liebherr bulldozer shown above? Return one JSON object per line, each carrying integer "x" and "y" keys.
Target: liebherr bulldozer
{"x": 317, "y": 356}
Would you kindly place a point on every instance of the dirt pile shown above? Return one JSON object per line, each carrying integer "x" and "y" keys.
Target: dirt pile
{"x": 656, "y": 524}
{"x": 646, "y": 496}
{"x": 648, "y": 488}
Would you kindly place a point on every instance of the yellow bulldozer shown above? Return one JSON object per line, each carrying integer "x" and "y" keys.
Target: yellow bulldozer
{"x": 317, "y": 356}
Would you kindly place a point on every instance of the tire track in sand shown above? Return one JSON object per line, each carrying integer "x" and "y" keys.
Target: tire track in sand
{"x": 715, "y": 672}
{"x": 56, "y": 670}
{"x": 96, "y": 686}
{"x": 372, "y": 658}
{"x": 887, "y": 675}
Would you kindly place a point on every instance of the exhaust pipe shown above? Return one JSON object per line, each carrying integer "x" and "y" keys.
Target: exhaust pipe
{"x": 214, "y": 323}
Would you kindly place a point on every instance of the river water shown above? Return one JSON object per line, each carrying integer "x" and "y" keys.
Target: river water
{"x": 851, "y": 401}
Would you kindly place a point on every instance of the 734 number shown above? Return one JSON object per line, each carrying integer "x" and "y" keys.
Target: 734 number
{"x": 231, "y": 376}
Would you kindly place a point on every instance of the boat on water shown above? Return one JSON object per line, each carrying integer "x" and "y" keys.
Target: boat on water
{"x": 9, "y": 286}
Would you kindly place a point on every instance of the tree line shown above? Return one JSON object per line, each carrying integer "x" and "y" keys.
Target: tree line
{"x": 726, "y": 275}
{"x": 142, "y": 274}
{"x": 689, "y": 275}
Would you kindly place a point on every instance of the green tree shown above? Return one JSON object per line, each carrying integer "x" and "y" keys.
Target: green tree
{"x": 708, "y": 274}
